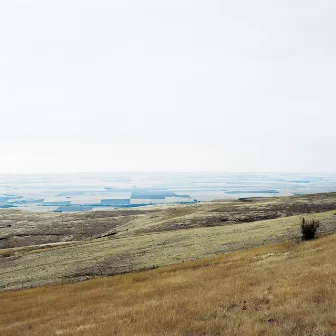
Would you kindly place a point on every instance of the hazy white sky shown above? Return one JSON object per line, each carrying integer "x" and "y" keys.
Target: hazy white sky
{"x": 167, "y": 85}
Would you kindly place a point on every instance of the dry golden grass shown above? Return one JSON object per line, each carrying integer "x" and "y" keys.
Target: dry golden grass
{"x": 286, "y": 289}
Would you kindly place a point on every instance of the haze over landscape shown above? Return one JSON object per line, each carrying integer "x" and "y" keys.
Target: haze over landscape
{"x": 101, "y": 191}
{"x": 109, "y": 86}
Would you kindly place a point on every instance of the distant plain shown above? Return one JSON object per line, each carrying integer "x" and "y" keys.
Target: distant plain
{"x": 86, "y": 192}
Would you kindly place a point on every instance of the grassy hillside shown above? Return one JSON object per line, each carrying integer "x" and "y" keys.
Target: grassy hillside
{"x": 25, "y": 228}
{"x": 284, "y": 289}
{"x": 33, "y": 266}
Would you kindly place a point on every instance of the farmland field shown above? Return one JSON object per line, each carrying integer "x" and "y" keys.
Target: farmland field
{"x": 86, "y": 192}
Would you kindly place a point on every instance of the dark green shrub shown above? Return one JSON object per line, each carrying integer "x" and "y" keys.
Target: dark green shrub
{"x": 309, "y": 228}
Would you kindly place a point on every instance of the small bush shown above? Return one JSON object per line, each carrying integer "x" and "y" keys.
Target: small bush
{"x": 309, "y": 228}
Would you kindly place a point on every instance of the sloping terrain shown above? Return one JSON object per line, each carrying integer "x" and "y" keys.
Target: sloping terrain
{"x": 74, "y": 261}
{"x": 23, "y": 228}
{"x": 286, "y": 289}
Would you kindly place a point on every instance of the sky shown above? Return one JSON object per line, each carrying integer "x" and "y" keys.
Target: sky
{"x": 179, "y": 85}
